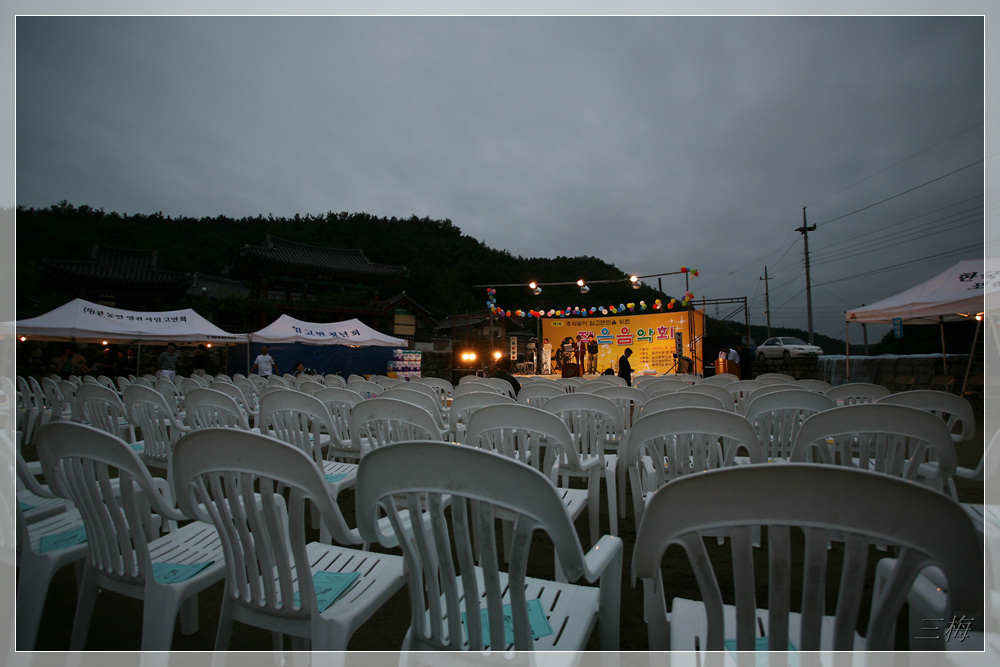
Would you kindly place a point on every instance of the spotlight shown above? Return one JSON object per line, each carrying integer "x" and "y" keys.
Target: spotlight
{"x": 104, "y": 342}
{"x": 535, "y": 289}
{"x": 635, "y": 281}
{"x": 497, "y": 354}
{"x": 583, "y": 286}
{"x": 23, "y": 338}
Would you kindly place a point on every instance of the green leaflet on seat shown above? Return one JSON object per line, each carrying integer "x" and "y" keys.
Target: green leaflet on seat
{"x": 329, "y": 586}
{"x": 173, "y": 573}
{"x": 62, "y": 540}
{"x": 335, "y": 478}
{"x": 536, "y": 618}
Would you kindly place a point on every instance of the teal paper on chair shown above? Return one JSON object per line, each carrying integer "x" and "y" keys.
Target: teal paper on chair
{"x": 173, "y": 573}
{"x": 329, "y": 586}
{"x": 536, "y": 618}
{"x": 62, "y": 540}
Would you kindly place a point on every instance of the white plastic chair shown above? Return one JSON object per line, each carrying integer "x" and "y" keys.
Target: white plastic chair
{"x": 340, "y": 401}
{"x": 443, "y": 388}
{"x": 594, "y": 422}
{"x": 741, "y": 390}
{"x": 37, "y": 567}
{"x": 666, "y": 445}
{"x": 770, "y": 389}
{"x": 464, "y": 405}
{"x": 659, "y": 386}
{"x": 679, "y": 399}
{"x": 813, "y": 385}
{"x": 894, "y": 439}
{"x": 500, "y": 385}
{"x": 854, "y": 393}
{"x": 266, "y": 551}
{"x": 720, "y": 393}
{"x": 542, "y": 441}
{"x": 777, "y": 417}
{"x": 103, "y": 408}
{"x": 471, "y": 387}
{"x": 150, "y": 412}
{"x": 171, "y": 392}
{"x": 480, "y": 488}
{"x": 720, "y": 379}
{"x": 59, "y": 408}
{"x": 571, "y": 384}
{"x": 334, "y": 380}
{"x": 389, "y": 383}
{"x": 537, "y": 393}
{"x": 380, "y": 421}
{"x": 125, "y": 553}
{"x": 237, "y": 394}
{"x": 429, "y": 403}
{"x": 366, "y": 389}
{"x": 210, "y": 408}
{"x": 769, "y": 377}
{"x": 826, "y": 503}
{"x": 305, "y": 422}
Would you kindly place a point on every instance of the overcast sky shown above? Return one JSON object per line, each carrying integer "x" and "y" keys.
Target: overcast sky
{"x": 652, "y": 142}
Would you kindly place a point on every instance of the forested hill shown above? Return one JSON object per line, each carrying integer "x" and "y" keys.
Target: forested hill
{"x": 443, "y": 262}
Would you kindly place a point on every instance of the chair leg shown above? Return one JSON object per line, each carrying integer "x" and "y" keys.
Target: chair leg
{"x": 84, "y": 610}
{"x": 610, "y": 479}
{"x": 189, "y": 615}
{"x": 225, "y": 629}
{"x": 622, "y": 474}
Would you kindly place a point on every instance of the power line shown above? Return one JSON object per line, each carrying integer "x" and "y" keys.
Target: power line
{"x": 900, "y": 194}
{"x": 901, "y": 264}
{"x": 891, "y": 242}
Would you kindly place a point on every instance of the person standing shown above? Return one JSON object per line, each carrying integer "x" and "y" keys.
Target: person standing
{"x": 546, "y": 357}
{"x": 264, "y": 364}
{"x": 581, "y": 352}
{"x": 624, "y": 367}
{"x": 592, "y": 355}
{"x": 167, "y": 361}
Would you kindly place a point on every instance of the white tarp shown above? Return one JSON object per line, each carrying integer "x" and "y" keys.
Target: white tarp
{"x": 287, "y": 329}
{"x": 955, "y": 294}
{"x": 89, "y": 322}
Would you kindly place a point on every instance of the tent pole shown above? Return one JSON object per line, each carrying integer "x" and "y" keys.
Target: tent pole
{"x": 847, "y": 350}
{"x": 944, "y": 356}
{"x": 972, "y": 352}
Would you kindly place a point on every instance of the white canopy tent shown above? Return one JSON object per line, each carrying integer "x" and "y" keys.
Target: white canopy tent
{"x": 287, "y": 329}
{"x": 87, "y": 322}
{"x": 951, "y": 296}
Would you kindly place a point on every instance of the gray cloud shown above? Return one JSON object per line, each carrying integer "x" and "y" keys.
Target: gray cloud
{"x": 651, "y": 142}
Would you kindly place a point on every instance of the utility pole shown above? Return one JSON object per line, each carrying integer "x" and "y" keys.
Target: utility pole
{"x": 809, "y": 302}
{"x": 767, "y": 302}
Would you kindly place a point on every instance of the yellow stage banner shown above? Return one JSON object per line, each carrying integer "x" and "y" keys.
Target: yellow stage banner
{"x": 656, "y": 339}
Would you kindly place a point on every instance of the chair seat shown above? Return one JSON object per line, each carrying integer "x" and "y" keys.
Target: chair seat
{"x": 381, "y": 575}
{"x": 37, "y": 508}
{"x": 689, "y": 627}
{"x": 565, "y": 606}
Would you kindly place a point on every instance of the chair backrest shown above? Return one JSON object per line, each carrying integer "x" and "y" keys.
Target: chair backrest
{"x": 956, "y": 411}
{"x": 215, "y": 471}
{"x": 855, "y": 508}
{"x": 419, "y": 398}
{"x": 57, "y": 403}
{"x": 537, "y": 393}
{"x": 149, "y": 411}
{"x": 721, "y": 393}
{"x": 210, "y": 408}
{"x": 276, "y": 381}
{"x": 854, "y": 393}
{"x": 442, "y": 386}
{"x": 389, "y": 383}
{"x": 171, "y": 392}
{"x": 534, "y": 437}
{"x": 259, "y": 381}
{"x": 592, "y": 421}
{"x": 741, "y": 390}
{"x": 813, "y": 384}
{"x": 233, "y": 391}
{"x": 680, "y": 399}
{"x": 500, "y": 385}
{"x": 893, "y": 439}
{"x": 770, "y": 389}
{"x": 103, "y": 409}
{"x": 570, "y": 384}
{"x": 309, "y": 386}
{"x": 629, "y": 400}
{"x": 473, "y": 488}
{"x": 82, "y": 464}
{"x": 339, "y": 401}
{"x": 68, "y": 390}
{"x": 107, "y": 382}
{"x": 721, "y": 379}
{"x": 365, "y": 388}
{"x": 376, "y": 422}
{"x": 471, "y": 387}
{"x": 121, "y": 382}
{"x": 250, "y": 391}
{"x": 334, "y": 380}
{"x": 664, "y": 385}
{"x": 222, "y": 377}
{"x": 665, "y": 445}
{"x": 298, "y": 419}
{"x": 463, "y": 405}
{"x": 777, "y": 417}
{"x": 466, "y": 379}
{"x": 767, "y": 377}
{"x": 425, "y": 389}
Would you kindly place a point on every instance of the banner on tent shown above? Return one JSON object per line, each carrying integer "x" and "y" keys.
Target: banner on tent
{"x": 653, "y": 338}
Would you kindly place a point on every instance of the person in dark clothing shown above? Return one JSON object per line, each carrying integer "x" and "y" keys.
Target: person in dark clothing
{"x": 503, "y": 372}
{"x": 624, "y": 367}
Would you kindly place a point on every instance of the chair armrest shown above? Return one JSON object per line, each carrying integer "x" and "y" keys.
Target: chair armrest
{"x": 604, "y": 562}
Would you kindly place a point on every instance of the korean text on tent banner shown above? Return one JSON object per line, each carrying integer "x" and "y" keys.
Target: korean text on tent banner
{"x": 653, "y": 338}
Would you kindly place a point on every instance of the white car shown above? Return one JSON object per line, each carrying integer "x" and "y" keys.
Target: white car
{"x": 786, "y": 347}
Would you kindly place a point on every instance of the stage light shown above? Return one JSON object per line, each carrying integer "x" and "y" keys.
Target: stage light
{"x": 979, "y": 318}
{"x": 535, "y": 289}
{"x": 635, "y": 281}
{"x": 104, "y": 342}
{"x": 208, "y": 345}
{"x": 23, "y": 338}
{"x": 584, "y": 288}
{"x": 497, "y": 354}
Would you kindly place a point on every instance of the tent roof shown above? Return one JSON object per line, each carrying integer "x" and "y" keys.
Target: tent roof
{"x": 952, "y": 295}
{"x": 88, "y": 322}
{"x": 287, "y": 329}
